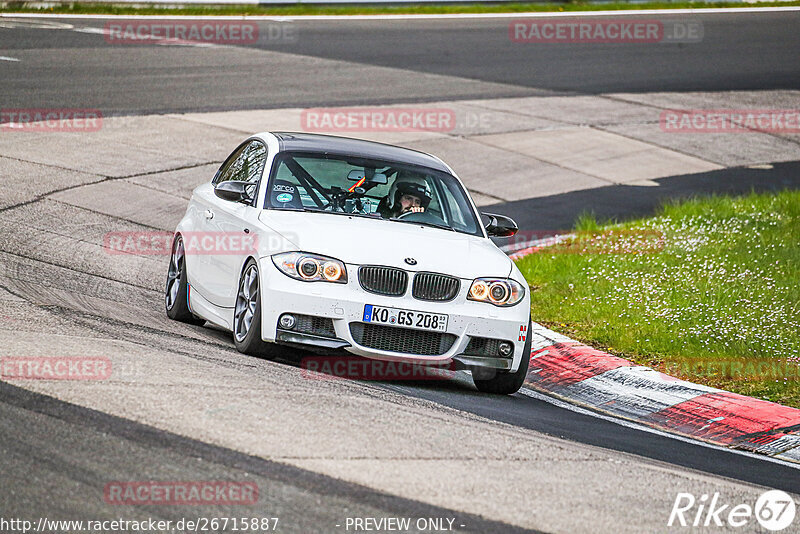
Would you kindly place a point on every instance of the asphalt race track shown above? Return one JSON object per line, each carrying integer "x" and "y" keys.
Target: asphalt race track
{"x": 738, "y": 52}
{"x": 182, "y": 404}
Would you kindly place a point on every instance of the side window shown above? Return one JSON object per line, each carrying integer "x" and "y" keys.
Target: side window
{"x": 245, "y": 165}
{"x": 457, "y": 207}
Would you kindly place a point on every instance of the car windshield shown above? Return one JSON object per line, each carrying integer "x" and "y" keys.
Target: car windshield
{"x": 370, "y": 188}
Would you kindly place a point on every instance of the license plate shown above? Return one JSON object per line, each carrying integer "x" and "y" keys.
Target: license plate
{"x": 436, "y": 322}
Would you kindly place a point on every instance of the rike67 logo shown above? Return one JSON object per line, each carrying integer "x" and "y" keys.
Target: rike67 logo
{"x": 774, "y": 510}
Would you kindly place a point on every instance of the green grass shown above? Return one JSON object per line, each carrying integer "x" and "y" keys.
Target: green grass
{"x": 723, "y": 289}
{"x": 305, "y": 9}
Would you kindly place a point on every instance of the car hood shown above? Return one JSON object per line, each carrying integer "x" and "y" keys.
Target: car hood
{"x": 365, "y": 241}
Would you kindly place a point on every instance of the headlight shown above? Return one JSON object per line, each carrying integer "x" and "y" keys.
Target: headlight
{"x": 310, "y": 267}
{"x": 497, "y": 291}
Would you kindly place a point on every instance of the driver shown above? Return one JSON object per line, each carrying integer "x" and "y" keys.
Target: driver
{"x": 409, "y": 193}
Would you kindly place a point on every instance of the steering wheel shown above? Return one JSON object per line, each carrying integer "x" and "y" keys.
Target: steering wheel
{"x": 407, "y": 213}
{"x": 420, "y": 216}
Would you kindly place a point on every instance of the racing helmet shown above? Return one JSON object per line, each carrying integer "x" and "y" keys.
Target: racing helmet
{"x": 408, "y": 183}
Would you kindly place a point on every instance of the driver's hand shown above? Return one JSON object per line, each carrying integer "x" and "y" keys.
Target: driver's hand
{"x": 416, "y": 209}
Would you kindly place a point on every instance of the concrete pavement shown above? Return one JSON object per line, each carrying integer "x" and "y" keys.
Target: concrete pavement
{"x": 64, "y": 295}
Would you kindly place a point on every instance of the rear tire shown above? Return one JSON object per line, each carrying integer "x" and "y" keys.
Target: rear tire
{"x": 504, "y": 382}
{"x": 247, "y": 316}
{"x": 176, "y": 301}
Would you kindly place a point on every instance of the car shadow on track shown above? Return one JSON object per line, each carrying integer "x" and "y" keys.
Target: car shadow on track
{"x": 343, "y": 365}
{"x": 620, "y": 202}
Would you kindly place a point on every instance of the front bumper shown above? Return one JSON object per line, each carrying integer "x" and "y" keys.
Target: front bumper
{"x": 344, "y": 304}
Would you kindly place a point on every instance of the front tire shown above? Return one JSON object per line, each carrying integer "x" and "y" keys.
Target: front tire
{"x": 504, "y": 382}
{"x": 247, "y": 316}
{"x": 176, "y": 300}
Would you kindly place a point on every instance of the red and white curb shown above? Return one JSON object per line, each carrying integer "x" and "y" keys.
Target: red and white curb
{"x": 579, "y": 374}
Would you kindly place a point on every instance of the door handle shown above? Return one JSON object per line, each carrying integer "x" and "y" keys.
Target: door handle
{"x": 209, "y": 214}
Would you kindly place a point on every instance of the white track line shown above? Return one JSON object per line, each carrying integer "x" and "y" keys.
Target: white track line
{"x": 6, "y": 58}
{"x": 620, "y": 13}
{"x": 636, "y": 426}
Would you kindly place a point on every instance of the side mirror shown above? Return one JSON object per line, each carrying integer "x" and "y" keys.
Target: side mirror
{"x": 377, "y": 178}
{"x": 233, "y": 191}
{"x": 500, "y": 225}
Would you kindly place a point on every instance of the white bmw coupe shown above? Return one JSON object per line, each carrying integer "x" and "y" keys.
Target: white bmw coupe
{"x": 354, "y": 245}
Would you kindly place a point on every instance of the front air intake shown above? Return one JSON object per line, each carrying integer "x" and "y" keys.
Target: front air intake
{"x": 403, "y": 340}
